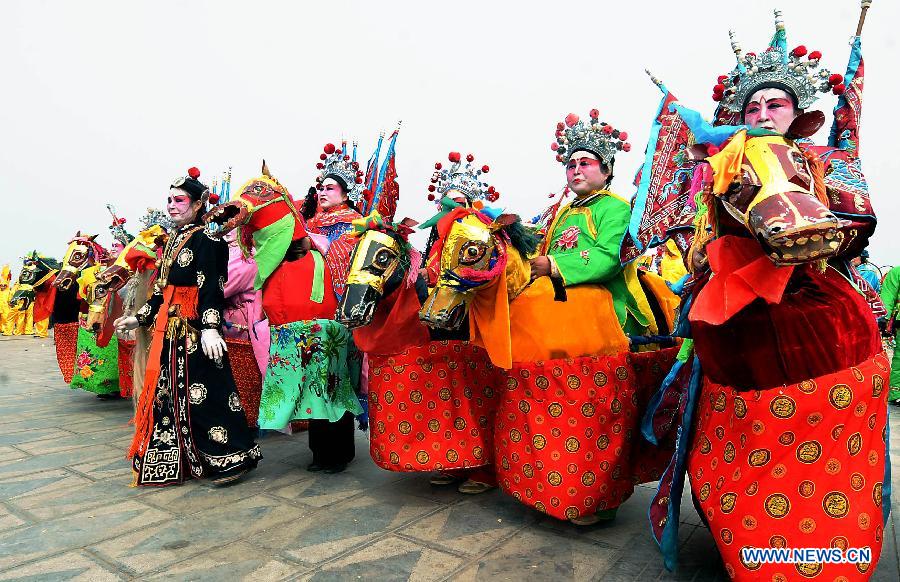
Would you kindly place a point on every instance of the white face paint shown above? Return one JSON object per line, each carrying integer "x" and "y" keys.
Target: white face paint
{"x": 584, "y": 173}
{"x": 332, "y": 194}
{"x": 181, "y": 208}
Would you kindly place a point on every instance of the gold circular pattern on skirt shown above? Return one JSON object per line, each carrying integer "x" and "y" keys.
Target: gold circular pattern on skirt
{"x": 777, "y": 505}
{"x": 511, "y": 383}
{"x": 704, "y": 492}
{"x": 422, "y": 457}
{"x": 786, "y": 438}
{"x": 752, "y": 488}
{"x": 395, "y": 458}
{"x": 554, "y": 478}
{"x": 477, "y": 452}
{"x": 524, "y": 406}
{"x": 854, "y": 443}
{"x": 759, "y": 457}
{"x": 539, "y": 505}
{"x": 542, "y": 382}
{"x": 740, "y": 407}
{"x": 726, "y": 535}
{"x": 571, "y": 512}
{"x": 404, "y": 427}
{"x": 528, "y": 470}
{"x": 857, "y": 373}
{"x": 727, "y": 501}
{"x": 573, "y": 382}
{"x": 807, "y": 525}
{"x": 444, "y": 394}
{"x": 452, "y": 455}
{"x": 705, "y": 445}
{"x": 782, "y": 407}
{"x": 777, "y": 542}
{"x": 459, "y": 423}
{"x": 806, "y": 488}
{"x": 600, "y": 379}
{"x": 389, "y": 397}
{"x": 514, "y": 435}
{"x": 807, "y": 386}
{"x": 748, "y": 564}
{"x": 857, "y": 481}
{"x": 877, "y": 385}
{"x": 555, "y": 409}
{"x": 808, "y": 570}
{"x": 539, "y": 441}
{"x": 836, "y": 504}
{"x": 809, "y": 452}
{"x": 720, "y": 402}
{"x": 602, "y": 442}
{"x": 616, "y": 406}
{"x": 572, "y": 444}
{"x": 840, "y": 396}
{"x": 434, "y": 425}
{"x": 621, "y": 373}
{"x": 556, "y": 371}
{"x": 728, "y": 453}
{"x": 415, "y": 396}
{"x": 588, "y": 409}
{"x": 877, "y": 494}
{"x": 588, "y": 478}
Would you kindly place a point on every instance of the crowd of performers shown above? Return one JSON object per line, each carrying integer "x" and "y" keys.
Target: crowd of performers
{"x": 542, "y": 356}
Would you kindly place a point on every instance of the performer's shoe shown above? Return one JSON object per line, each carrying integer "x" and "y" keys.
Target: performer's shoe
{"x": 315, "y": 467}
{"x": 471, "y": 487}
{"x": 441, "y": 479}
{"x": 228, "y": 478}
{"x": 339, "y": 468}
{"x": 602, "y": 516}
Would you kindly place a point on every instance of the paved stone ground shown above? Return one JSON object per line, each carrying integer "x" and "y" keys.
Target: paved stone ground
{"x": 67, "y": 511}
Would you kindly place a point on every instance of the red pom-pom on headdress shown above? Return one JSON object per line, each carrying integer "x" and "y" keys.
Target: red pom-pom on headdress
{"x": 454, "y": 157}
{"x": 194, "y": 173}
{"x": 329, "y": 148}
{"x": 835, "y": 79}
{"x": 213, "y": 198}
{"x": 815, "y": 56}
{"x": 571, "y": 119}
{"x": 799, "y": 51}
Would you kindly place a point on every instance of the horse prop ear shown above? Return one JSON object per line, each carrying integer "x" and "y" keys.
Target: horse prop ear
{"x": 93, "y": 237}
{"x": 805, "y": 124}
{"x": 265, "y": 170}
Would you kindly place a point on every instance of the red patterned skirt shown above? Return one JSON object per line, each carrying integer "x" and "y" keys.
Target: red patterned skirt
{"x": 126, "y": 367}
{"x": 432, "y": 407}
{"x": 799, "y": 466}
{"x": 65, "y": 336}
{"x": 246, "y": 377}
{"x": 568, "y": 431}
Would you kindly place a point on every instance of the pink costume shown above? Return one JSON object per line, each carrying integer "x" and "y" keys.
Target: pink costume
{"x": 243, "y": 305}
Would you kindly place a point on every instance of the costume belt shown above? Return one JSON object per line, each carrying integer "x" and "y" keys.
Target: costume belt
{"x": 178, "y": 306}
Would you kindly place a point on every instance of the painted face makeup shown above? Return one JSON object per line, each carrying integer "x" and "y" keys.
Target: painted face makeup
{"x": 585, "y": 174}
{"x": 331, "y": 194}
{"x": 770, "y": 109}
{"x": 180, "y": 207}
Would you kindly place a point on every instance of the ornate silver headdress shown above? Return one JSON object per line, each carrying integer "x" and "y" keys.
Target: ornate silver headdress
{"x": 596, "y": 137}
{"x": 337, "y": 163}
{"x": 798, "y": 70}
{"x": 154, "y": 217}
{"x": 465, "y": 179}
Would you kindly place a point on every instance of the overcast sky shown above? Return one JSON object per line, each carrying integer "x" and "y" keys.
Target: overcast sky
{"x": 109, "y": 101}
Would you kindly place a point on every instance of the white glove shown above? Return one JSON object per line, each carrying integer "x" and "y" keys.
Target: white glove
{"x": 126, "y": 323}
{"x": 212, "y": 343}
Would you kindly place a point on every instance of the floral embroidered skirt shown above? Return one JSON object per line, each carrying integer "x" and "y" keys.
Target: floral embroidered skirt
{"x": 198, "y": 424}
{"x": 65, "y": 337}
{"x": 799, "y": 466}
{"x": 313, "y": 373}
{"x": 567, "y": 437}
{"x": 432, "y": 407}
{"x": 96, "y": 368}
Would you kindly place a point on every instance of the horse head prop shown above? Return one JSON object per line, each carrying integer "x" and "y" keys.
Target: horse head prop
{"x": 36, "y": 271}
{"x": 776, "y": 191}
{"x": 379, "y": 263}
{"x": 473, "y": 250}
{"x": 83, "y": 251}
